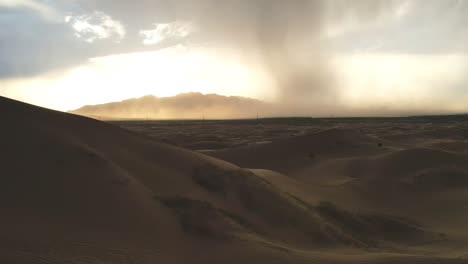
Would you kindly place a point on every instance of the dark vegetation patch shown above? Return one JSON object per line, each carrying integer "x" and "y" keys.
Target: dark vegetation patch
{"x": 203, "y": 145}
{"x": 275, "y": 208}
{"x": 442, "y": 178}
{"x": 200, "y": 218}
{"x": 210, "y": 180}
{"x": 256, "y": 195}
{"x": 371, "y": 228}
{"x": 324, "y": 224}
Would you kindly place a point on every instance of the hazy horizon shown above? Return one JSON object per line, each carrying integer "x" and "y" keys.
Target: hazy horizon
{"x": 312, "y": 58}
{"x": 199, "y": 106}
{"x": 234, "y": 131}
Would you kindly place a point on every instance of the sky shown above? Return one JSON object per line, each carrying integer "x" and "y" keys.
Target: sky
{"x": 315, "y": 58}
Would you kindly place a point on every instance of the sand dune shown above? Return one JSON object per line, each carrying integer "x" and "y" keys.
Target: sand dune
{"x": 77, "y": 190}
{"x": 448, "y": 145}
{"x": 291, "y": 155}
{"x": 357, "y": 167}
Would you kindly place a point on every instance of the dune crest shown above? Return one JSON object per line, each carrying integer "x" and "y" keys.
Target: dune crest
{"x": 76, "y": 189}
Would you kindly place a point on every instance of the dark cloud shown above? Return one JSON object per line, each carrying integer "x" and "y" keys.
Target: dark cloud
{"x": 285, "y": 35}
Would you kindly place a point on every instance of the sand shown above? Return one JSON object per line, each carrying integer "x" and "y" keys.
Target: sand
{"x": 77, "y": 190}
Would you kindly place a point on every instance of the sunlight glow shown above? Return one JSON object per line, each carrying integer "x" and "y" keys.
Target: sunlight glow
{"x": 402, "y": 81}
{"x": 96, "y": 26}
{"x": 166, "y": 31}
{"x": 364, "y": 81}
{"x": 162, "y": 73}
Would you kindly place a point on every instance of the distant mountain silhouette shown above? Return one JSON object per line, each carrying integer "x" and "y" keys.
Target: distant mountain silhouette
{"x": 182, "y": 106}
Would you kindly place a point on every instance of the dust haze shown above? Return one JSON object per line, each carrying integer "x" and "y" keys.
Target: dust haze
{"x": 116, "y": 181}
{"x": 292, "y": 42}
{"x": 288, "y": 38}
{"x": 284, "y": 36}
{"x": 321, "y": 58}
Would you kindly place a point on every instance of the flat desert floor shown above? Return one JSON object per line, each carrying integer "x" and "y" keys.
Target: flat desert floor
{"x": 384, "y": 191}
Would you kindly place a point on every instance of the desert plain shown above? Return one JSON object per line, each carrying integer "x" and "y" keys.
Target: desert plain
{"x": 287, "y": 190}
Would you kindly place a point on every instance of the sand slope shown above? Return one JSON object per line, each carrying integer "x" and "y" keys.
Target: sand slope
{"x": 75, "y": 190}
{"x": 291, "y": 155}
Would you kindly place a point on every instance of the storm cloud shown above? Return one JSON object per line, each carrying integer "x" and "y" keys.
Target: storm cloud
{"x": 295, "y": 41}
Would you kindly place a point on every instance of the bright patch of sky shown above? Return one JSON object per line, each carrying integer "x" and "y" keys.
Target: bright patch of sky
{"x": 96, "y": 26}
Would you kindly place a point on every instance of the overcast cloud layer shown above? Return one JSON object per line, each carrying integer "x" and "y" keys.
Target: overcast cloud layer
{"x": 296, "y": 41}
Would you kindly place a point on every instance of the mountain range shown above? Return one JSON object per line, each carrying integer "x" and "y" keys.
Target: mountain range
{"x": 182, "y": 106}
